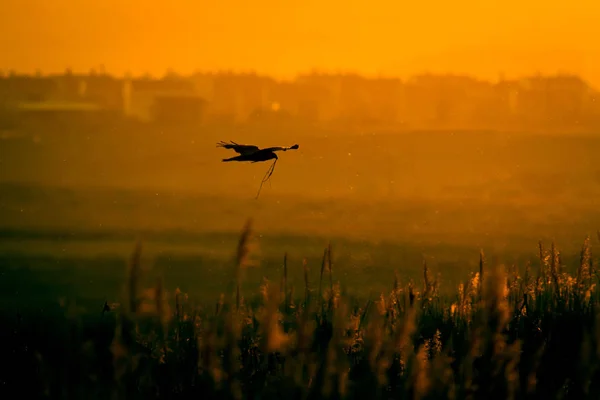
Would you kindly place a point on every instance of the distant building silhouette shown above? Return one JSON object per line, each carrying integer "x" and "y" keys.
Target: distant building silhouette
{"x": 345, "y": 101}
{"x": 142, "y": 93}
{"x": 178, "y": 110}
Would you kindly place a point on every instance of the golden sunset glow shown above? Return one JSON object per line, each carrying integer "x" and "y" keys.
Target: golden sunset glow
{"x": 307, "y": 199}
{"x": 282, "y": 38}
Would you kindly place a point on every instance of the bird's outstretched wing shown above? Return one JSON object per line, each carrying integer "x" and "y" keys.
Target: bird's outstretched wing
{"x": 239, "y": 148}
{"x": 278, "y": 148}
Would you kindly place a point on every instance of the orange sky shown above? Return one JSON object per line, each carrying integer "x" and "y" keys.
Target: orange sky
{"x": 285, "y": 37}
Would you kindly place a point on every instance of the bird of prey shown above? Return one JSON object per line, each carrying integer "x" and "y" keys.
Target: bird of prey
{"x": 254, "y": 154}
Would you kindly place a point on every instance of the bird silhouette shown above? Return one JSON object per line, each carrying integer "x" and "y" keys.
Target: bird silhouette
{"x": 254, "y": 154}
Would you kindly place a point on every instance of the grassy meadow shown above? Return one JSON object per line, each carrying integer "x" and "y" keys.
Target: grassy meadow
{"x": 501, "y": 333}
{"x": 438, "y": 265}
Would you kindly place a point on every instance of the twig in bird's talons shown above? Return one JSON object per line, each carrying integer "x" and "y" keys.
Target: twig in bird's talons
{"x": 267, "y": 176}
{"x": 255, "y": 154}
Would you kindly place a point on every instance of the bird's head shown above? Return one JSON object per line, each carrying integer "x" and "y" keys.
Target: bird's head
{"x": 294, "y": 147}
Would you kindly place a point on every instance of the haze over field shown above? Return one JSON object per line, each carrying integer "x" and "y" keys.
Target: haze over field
{"x": 432, "y": 185}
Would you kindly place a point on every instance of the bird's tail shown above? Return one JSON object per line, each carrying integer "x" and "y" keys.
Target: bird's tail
{"x": 231, "y": 159}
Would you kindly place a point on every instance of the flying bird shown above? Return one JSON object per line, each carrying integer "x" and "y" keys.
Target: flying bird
{"x": 254, "y": 154}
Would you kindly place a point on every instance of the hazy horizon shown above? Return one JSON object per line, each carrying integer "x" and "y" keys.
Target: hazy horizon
{"x": 288, "y": 78}
{"x": 283, "y": 40}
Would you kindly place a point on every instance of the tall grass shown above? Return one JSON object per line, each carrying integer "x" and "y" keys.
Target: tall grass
{"x": 502, "y": 335}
